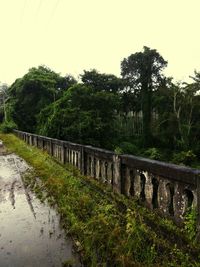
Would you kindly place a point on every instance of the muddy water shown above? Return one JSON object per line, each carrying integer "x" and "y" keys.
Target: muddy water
{"x": 29, "y": 230}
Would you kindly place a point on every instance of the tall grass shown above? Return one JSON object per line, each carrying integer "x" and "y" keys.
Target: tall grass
{"x": 108, "y": 229}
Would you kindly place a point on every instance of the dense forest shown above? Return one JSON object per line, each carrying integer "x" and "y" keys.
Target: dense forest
{"x": 142, "y": 113}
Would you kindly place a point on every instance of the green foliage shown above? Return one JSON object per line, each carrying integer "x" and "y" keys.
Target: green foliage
{"x": 190, "y": 224}
{"x": 101, "y": 81}
{"x": 81, "y": 115}
{"x": 184, "y": 157}
{"x": 31, "y": 93}
{"x": 104, "y": 233}
{"x": 111, "y": 112}
{"x": 127, "y": 148}
{"x": 180, "y": 259}
{"x": 177, "y": 106}
{"x": 7, "y": 127}
{"x": 118, "y": 150}
{"x": 153, "y": 153}
{"x": 142, "y": 72}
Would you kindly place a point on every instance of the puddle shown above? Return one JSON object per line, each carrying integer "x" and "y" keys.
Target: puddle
{"x": 30, "y": 234}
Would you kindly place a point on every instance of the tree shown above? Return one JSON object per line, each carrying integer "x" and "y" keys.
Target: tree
{"x": 186, "y": 106}
{"x": 178, "y": 105}
{"x": 3, "y": 98}
{"x": 142, "y": 72}
{"x": 31, "y": 93}
{"x": 101, "y": 81}
{"x": 82, "y": 115}
{"x": 64, "y": 83}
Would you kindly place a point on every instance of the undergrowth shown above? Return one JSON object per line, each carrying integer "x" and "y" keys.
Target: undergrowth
{"x": 108, "y": 229}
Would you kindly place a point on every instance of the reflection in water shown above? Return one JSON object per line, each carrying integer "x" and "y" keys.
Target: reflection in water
{"x": 29, "y": 230}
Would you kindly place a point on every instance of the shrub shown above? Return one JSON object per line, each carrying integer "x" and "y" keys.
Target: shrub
{"x": 184, "y": 157}
{"x": 190, "y": 224}
{"x": 153, "y": 153}
{"x": 126, "y": 148}
{"x": 7, "y": 127}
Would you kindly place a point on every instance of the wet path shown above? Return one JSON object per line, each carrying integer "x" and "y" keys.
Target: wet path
{"x": 29, "y": 230}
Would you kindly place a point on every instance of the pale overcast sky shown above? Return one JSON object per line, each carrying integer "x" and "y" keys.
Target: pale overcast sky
{"x": 72, "y": 35}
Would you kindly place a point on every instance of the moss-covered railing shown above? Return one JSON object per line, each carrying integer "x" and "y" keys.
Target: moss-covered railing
{"x": 169, "y": 188}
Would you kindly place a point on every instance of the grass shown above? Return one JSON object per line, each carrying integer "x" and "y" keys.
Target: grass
{"x": 108, "y": 229}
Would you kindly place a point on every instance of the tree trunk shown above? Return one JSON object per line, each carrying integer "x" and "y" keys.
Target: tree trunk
{"x": 146, "y": 112}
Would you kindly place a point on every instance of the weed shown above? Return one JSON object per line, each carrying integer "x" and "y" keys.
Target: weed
{"x": 190, "y": 223}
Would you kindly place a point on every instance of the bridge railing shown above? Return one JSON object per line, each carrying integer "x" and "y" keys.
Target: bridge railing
{"x": 169, "y": 188}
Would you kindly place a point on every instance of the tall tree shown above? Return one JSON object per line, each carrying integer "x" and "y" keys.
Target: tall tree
{"x": 3, "y": 99}
{"x": 101, "y": 81}
{"x": 142, "y": 72}
{"x": 82, "y": 115}
{"x": 31, "y": 93}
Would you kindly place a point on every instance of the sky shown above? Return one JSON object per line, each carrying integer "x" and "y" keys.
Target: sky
{"x": 70, "y": 36}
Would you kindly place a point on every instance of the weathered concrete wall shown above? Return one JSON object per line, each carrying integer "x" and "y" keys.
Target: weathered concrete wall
{"x": 169, "y": 188}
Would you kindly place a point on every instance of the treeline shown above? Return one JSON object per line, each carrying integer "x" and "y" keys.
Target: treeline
{"x": 101, "y": 108}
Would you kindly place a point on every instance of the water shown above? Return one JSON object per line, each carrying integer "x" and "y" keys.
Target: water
{"x": 30, "y": 234}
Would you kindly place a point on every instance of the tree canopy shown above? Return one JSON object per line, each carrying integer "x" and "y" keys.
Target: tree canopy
{"x": 82, "y": 115}
{"x": 101, "y": 81}
{"x": 31, "y": 93}
{"x": 143, "y": 112}
{"x": 142, "y": 73}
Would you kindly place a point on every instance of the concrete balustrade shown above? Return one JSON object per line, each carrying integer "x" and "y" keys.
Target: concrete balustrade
{"x": 169, "y": 188}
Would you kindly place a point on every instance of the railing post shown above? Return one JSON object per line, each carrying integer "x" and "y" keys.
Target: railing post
{"x": 51, "y": 147}
{"x": 63, "y": 153}
{"x": 82, "y": 159}
{"x": 116, "y": 173}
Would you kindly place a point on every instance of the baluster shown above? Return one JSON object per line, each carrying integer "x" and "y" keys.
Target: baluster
{"x": 67, "y": 155}
{"x": 127, "y": 184}
{"x": 180, "y": 202}
{"x": 92, "y": 167}
{"x": 164, "y": 196}
{"x": 109, "y": 172}
{"x": 137, "y": 184}
{"x": 88, "y": 169}
{"x": 148, "y": 190}
{"x": 74, "y": 158}
{"x": 79, "y": 160}
{"x": 132, "y": 181}
{"x": 103, "y": 171}
{"x": 97, "y": 169}
{"x": 194, "y": 203}
{"x": 70, "y": 156}
{"x": 63, "y": 154}
{"x": 56, "y": 151}
{"x": 60, "y": 153}
{"x": 116, "y": 174}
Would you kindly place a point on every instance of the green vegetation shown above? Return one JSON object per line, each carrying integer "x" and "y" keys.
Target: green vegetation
{"x": 7, "y": 127}
{"x": 190, "y": 223}
{"x": 30, "y": 94}
{"x": 82, "y": 115}
{"x": 108, "y": 229}
{"x": 142, "y": 72}
{"x": 143, "y": 112}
